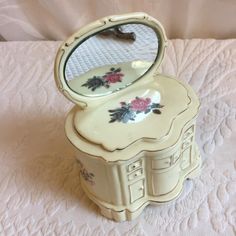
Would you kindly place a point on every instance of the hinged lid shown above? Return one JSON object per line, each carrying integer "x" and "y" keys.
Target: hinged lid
{"x": 148, "y": 116}
{"x": 110, "y": 70}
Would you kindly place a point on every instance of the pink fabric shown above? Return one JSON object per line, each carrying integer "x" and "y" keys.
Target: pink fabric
{"x": 40, "y": 192}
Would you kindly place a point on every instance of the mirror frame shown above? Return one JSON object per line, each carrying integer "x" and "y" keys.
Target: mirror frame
{"x": 68, "y": 46}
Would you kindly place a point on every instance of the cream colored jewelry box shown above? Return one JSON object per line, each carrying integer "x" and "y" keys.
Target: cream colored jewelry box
{"x": 133, "y": 128}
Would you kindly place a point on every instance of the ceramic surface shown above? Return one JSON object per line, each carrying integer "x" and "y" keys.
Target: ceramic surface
{"x": 141, "y": 120}
{"x": 135, "y": 144}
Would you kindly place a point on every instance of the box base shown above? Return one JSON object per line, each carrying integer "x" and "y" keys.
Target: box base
{"x": 128, "y": 214}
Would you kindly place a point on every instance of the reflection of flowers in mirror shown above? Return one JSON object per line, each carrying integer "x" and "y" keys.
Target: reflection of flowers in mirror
{"x": 111, "y": 77}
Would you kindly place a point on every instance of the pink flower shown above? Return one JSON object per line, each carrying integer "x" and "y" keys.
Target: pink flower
{"x": 140, "y": 104}
{"x": 113, "y": 77}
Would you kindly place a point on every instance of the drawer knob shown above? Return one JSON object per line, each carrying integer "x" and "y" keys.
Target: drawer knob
{"x": 141, "y": 188}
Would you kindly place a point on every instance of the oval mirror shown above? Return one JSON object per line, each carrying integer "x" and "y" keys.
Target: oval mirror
{"x": 111, "y": 59}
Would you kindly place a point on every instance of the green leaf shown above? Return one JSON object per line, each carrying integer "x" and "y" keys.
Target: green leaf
{"x": 156, "y": 111}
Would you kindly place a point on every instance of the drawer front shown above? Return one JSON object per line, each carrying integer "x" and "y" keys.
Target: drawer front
{"x": 187, "y": 143}
{"x": 161, "y": 164}
{"x": 186, "y": 157}
{"x": 135, "y": 165}
{"x": 188, "y": 132}
{"x": 163, "y": 183}
{"x": 175, "y": 157}
{"x": 136, "y": 190}
{"x": 135, "y": 174}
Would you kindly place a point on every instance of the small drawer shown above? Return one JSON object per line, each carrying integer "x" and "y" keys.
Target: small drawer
{"x": 186, "y": 143}
{"x": 175, "y": 156}
{"x": 134, "y": 166}
{"x": 135, "y": 174}
{"x": 185, "y": 160}
{"x": 161, "y": 164}
{"x": 188, "y": 133}
{"x": 137, "y": 190}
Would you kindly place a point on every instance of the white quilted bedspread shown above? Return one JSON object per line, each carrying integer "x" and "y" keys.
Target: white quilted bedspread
{"x": 40, "y": 192}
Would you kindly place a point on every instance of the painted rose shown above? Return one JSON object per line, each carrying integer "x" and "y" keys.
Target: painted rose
{"x": 113, "y": 77}
{"x": 140, "y": 104}
{"x": 128, "y": 111}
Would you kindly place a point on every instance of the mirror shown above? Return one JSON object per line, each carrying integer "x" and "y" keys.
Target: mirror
{"x": 111, "y": 59}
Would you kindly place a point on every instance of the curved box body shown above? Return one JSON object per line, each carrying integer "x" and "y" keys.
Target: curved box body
{"x": 133, "y": 128}
{"x": 125, "y": 183}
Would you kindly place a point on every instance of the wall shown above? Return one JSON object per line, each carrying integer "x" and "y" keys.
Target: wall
{"x": 55, "y": 20}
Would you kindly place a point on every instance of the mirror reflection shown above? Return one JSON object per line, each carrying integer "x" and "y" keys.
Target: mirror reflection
{"x": 111, "y": 59}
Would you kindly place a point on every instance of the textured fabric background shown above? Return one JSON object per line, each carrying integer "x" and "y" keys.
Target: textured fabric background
{"x": 52, "y": 20}
{"x": 40, "y": 192}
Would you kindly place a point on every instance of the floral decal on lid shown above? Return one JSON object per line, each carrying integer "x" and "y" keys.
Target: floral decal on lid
{"x": 129, "y": 111}
{"x": 111, "y": 77}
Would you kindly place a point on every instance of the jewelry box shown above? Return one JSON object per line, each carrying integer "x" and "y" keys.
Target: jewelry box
{"x": 132, "y": 127}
